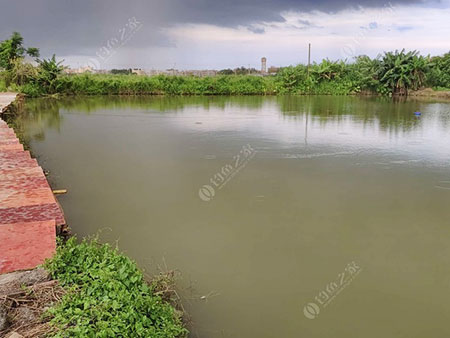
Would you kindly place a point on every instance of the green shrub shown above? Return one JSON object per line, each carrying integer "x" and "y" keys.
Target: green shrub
{"x": 2, "y": 84}
{"x": 108, "y": 296}
{"x": 32, "y": 90}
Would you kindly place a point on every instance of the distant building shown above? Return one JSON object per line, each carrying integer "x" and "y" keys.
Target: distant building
{"x": 199, "y": 73}
{"x": 273, "y": 70}
{"x": 81, "y": 70}
{"x": 138, "y": 71}
{"x": 263, "y": 65}
{"x": 143, "y": 72}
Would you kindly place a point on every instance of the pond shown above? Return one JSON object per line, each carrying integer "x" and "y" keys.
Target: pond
{"x": 285, "y": 216}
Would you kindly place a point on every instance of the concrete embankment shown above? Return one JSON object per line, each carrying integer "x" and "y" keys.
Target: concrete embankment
{"x": 29, "y": 212}
{"x": 6, "y": 99}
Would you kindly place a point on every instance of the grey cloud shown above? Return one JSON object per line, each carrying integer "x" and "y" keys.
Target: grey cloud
{"x": 81, "y": 27}
{"x": 256, "y": 30}
{"x": 305, "y": 22}
{"x": 243, "y": 12}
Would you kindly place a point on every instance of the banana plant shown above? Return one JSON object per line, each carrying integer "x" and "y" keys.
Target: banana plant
{"x": 401, "y": 71}
{"x": 48, "y": 73}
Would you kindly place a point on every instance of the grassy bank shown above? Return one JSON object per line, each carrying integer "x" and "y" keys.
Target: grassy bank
{"x": 294, "y": 82}
{"x": 96, "y": 84}
{"x": 3, "y": 87}
{"x": 106, "y": 295}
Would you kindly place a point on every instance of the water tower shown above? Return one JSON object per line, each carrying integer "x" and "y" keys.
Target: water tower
{"x": 263, "y": 65}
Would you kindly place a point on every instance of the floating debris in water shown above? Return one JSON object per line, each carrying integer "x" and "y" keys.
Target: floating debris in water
{"x": 303, "y": 156}
{"x": 417, "y": 113}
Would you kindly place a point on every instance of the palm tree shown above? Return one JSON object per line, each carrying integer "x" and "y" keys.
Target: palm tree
{"x": 13, "y": 49}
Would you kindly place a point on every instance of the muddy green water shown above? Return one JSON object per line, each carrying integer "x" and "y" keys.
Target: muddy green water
{"x": 339, "y": 204}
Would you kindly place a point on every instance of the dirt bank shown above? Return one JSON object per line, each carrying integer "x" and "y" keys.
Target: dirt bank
{"x": 430, "y": 93}
{"x": 24, "y": 297}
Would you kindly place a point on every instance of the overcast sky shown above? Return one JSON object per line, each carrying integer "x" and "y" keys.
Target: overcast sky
{"x": 207, "y": 34}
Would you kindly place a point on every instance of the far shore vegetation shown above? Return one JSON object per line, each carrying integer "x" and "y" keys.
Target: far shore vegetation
{"x": 392, "y": 73}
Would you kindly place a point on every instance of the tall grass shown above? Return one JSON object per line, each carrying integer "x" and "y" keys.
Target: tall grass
{"x": 92, "y": 84}
{"x": 108, "y": 84}
{"x": 3, "y": 86}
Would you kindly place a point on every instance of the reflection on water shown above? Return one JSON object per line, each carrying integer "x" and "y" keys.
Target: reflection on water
{"x": 334, "y": 183}
{"x": 389, "y": 114}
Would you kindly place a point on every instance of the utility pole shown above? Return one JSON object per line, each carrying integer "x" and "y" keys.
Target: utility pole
{"x": 309, "y": 57}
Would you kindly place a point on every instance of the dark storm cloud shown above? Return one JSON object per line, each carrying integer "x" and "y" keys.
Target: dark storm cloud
{"x": 243, "y": 12}
{"x": 76, "y": 27}
{"x": 80, "y": 27}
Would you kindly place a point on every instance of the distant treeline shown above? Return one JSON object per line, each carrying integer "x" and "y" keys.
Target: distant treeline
{"x": 393, "y": 73}
{"x": 238, "y": 71}
{"x": 122, "y": 71}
